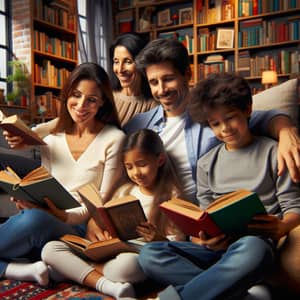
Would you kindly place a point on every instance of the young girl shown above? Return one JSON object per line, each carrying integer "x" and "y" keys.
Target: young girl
{"x": 82, "y": 148}
{"x": 150, "y": 178}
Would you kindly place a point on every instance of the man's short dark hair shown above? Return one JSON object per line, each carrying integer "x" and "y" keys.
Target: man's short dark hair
{"x": 164, "y": 50}
{"x": 219, "y": 89}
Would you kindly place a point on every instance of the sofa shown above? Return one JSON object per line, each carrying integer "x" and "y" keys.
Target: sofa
{"x": 286, "y": 275}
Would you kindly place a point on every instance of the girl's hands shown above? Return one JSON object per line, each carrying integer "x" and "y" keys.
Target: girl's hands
{"x": 216, "y": 243}
{"x": 150, "y": 232}
{"x": 95, "y": 233}
{"x": 14, "y": 142}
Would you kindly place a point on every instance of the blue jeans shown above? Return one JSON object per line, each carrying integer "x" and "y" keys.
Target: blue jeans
{"x": 195, "y": 272}
{"x": 25, "y": 234}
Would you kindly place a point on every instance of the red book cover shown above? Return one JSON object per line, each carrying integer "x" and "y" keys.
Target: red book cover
{"x": 192, "y": 226}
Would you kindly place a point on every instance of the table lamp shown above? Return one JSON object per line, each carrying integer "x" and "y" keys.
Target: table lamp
{"x": 269, "y": 78}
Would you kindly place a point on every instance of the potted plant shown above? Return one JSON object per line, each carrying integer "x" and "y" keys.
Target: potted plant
{"x": 20, "y": 83}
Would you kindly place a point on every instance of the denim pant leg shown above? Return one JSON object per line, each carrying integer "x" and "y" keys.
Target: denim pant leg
{"x": 241, "y": 266}
{"x": 30, "y": 230}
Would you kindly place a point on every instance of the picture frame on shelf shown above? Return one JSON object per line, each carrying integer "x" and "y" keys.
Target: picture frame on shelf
{"x": 225, "y": 38}
{"x": 124, "y": 4}
{"x": 186, "y": 15}
{"x": 164, "y": 17}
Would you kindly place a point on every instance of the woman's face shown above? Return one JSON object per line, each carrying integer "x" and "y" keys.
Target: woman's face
{"x": 84, "y": 102}
{"x": 124, "y": 67}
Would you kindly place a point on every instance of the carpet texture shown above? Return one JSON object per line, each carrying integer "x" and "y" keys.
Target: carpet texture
{"x": 13, "y": 289}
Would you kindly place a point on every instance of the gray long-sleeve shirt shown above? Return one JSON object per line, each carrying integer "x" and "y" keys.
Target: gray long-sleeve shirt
{"x": 254, "y": 168}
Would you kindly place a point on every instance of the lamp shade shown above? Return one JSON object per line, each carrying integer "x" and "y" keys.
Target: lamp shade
{"x": 269, "y": 77}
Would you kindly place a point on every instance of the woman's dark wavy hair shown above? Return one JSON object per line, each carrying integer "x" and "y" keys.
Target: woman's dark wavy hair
{"x": 216, "y": 90}
{"x": 87, "y": 71}
{"x": 134, "y": 43}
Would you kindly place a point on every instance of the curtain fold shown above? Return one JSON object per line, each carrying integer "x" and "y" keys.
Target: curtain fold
{"x": 99, "y": 33}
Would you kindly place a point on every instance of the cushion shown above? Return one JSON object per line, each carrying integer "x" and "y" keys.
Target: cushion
{"x": 284, "y": 97}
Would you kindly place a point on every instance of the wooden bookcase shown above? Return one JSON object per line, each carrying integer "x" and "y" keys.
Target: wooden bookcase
{"x": 54, "y": 53}
{"x": 244, "y": 36}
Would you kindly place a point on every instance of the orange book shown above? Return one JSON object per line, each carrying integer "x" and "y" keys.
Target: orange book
{"x": 17, "y": 127}
{"x": 119, "y": 217}
{"x": 99, "y": 250}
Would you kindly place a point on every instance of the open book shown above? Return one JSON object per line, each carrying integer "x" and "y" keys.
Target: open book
{"x": 99, "y": 250}
{"x": 228, "y": 214}
{"x": 35, "y": 186}
{"x": 119, "y": 217}
{"x": 17, "y": 127}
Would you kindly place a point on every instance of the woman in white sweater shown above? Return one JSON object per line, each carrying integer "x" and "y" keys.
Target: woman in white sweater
{"x": 81, "y": 148}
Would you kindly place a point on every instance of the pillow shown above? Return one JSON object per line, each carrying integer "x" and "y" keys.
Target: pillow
{"x": 284, "y": 97}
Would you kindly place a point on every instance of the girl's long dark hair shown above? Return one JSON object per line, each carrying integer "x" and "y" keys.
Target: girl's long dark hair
{"x": 87, "y": 71}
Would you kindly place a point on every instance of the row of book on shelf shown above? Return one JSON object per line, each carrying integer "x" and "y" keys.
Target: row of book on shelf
{"x": 254, "y": 7}
{"x": 48, "y": 74}
{"x": 218, "y": 10}
{"x": 283, "y": 62}
{"x": 186, "y": 39}
{"x": 47, "y": 105}
{"x": 262, "y": 32}
{"x": 57, "y": 14}
{"x": 45, "y": 43}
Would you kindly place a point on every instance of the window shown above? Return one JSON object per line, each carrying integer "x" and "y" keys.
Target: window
{"x": 5, "y": 41}
{"x": 81, "y": 4}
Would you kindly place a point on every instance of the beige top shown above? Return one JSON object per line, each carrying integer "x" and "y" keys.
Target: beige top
{"x": 129, "y": 106}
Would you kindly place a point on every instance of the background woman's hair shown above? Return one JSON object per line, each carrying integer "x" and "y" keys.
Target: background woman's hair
{"x": 87, "y": 71}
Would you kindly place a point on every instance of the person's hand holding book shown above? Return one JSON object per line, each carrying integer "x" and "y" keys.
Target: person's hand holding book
{"x": 95, "y": 233}
{"x": 14, "y": 142}
{"x": 216, "y": 243}
{"x": 150, "y": 232}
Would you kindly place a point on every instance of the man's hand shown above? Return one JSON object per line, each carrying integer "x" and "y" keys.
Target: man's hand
{"x": 289, "y": 152}
{"x": 95, "y": 233}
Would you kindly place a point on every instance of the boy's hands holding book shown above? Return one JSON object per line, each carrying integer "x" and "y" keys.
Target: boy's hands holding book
{"x": 216, "y": 243}
{"x": 272, "y": 226}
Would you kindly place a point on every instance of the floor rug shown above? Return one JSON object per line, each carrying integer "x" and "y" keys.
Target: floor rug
{"x": 20, "y": 290}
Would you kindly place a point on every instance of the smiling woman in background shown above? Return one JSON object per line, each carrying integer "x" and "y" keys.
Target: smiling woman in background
{"x": 131, "y": 91}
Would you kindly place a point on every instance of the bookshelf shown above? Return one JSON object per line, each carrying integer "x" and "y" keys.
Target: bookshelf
{"x": 54, "y": 53}
{"x": 244, "y": 36}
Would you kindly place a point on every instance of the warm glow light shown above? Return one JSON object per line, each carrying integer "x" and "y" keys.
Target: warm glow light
{"x": 269, "y": 77}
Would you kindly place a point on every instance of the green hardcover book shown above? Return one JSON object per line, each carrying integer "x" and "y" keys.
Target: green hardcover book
{"x": 228, "y": 214}
{"x": 232, "y": 212}
{"x": 35, "y": 186}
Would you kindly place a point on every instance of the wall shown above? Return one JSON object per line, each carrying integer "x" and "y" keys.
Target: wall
{"x": 21, "y": 23}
